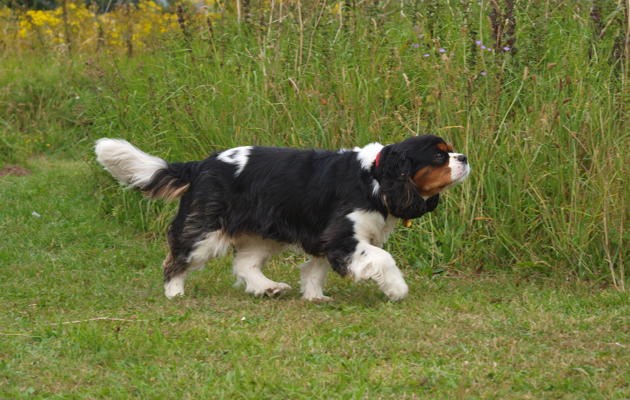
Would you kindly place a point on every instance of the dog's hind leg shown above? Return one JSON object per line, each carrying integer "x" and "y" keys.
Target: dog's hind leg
{"x": 175, "y": 271}
{"x": 313, "y": 276}
{"x": 183, "y": 259}
{"x": 251, "y": 254}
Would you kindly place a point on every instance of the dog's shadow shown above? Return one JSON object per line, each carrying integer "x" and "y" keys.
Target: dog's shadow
{"x": 217, "y": 280}
{"x": 351, "y": 295}
{"x": 346, "y": 293}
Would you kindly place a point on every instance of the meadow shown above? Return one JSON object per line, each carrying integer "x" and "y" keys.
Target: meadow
{"x": 518, "y": 286}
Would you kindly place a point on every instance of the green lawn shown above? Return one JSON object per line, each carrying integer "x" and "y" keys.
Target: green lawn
{"x": 84, "y": 317}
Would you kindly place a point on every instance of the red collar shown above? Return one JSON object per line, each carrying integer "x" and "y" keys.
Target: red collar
{"x": 377, "y": 159}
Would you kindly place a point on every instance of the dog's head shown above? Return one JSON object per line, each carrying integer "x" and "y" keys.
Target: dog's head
{"x": 412, "y": 174}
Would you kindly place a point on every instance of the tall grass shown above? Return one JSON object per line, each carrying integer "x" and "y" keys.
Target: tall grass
{"x": 541, "y": 115}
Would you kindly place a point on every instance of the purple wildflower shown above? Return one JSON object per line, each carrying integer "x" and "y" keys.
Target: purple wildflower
{"x": 483, "y": 47}
{"x": 507, "y": 48}
{"x": 442, "y": 50}
{"x": 426, "y": 55}
{"x": 478, "y": 42}
{"x": 415, "y": 45}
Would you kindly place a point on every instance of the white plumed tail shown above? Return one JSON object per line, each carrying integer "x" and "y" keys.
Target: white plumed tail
{"x": 128, "y": 164}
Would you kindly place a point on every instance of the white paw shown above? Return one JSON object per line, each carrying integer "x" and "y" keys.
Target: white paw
{"x": 174, "y": 287}
{"x": 277, "y": 289}
{"x": 396, "y": 290}
{"x": 320, "y": 298}
{"x": 271, "y": 290}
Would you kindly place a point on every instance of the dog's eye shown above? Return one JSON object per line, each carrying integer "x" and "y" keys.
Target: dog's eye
{"x": 440, "y": 158}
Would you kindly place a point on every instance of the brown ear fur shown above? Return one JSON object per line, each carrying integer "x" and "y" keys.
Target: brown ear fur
{"x": 400, "y": 193}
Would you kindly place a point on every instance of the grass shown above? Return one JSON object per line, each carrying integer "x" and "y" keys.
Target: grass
{"x": 456, "y": 336}
{"x": 517, "y": 280}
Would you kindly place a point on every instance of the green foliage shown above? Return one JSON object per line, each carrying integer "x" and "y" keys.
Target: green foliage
{"x": 542, "y": 122}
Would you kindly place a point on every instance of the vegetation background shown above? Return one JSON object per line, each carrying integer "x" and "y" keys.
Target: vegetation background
{"x": 533, "y": 91}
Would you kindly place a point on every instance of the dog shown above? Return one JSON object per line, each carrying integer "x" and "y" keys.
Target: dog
{"x": 338, "y": 207}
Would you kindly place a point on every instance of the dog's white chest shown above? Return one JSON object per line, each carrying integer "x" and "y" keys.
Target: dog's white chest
{"x": 371, "y": 227}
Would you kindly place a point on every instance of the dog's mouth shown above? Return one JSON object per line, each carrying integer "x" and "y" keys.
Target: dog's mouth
{"x": 459, "y": 174}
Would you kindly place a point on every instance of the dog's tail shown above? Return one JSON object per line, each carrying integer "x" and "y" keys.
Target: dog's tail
{"x": 134, "y": 168}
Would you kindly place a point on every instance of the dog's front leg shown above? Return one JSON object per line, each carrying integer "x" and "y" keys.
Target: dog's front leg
{"x": 364, "y": 261}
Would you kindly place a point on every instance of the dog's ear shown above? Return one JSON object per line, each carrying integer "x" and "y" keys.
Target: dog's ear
{"x": 400, "y": 194}
{"x": 432, "y": 202}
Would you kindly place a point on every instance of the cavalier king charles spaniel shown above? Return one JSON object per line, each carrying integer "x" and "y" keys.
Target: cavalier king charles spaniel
{"x": 339, "y": 207}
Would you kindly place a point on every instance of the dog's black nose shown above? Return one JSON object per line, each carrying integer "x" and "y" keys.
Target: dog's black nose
{"x": 462, "y": 158}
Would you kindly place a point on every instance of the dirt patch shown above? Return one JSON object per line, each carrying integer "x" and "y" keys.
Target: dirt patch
{"x": 14, "y": 170}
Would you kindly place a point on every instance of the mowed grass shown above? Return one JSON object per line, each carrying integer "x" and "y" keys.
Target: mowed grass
{"x": 84, "y": 317}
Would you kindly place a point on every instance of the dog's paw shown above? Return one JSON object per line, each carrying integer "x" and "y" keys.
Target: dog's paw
{"x": 272, "y": 289}
{"x": 174, "y": 288}
{"x": 277, "y": 289}
{"x": 317, "y": 298}
{"x": 396, "y": 291}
